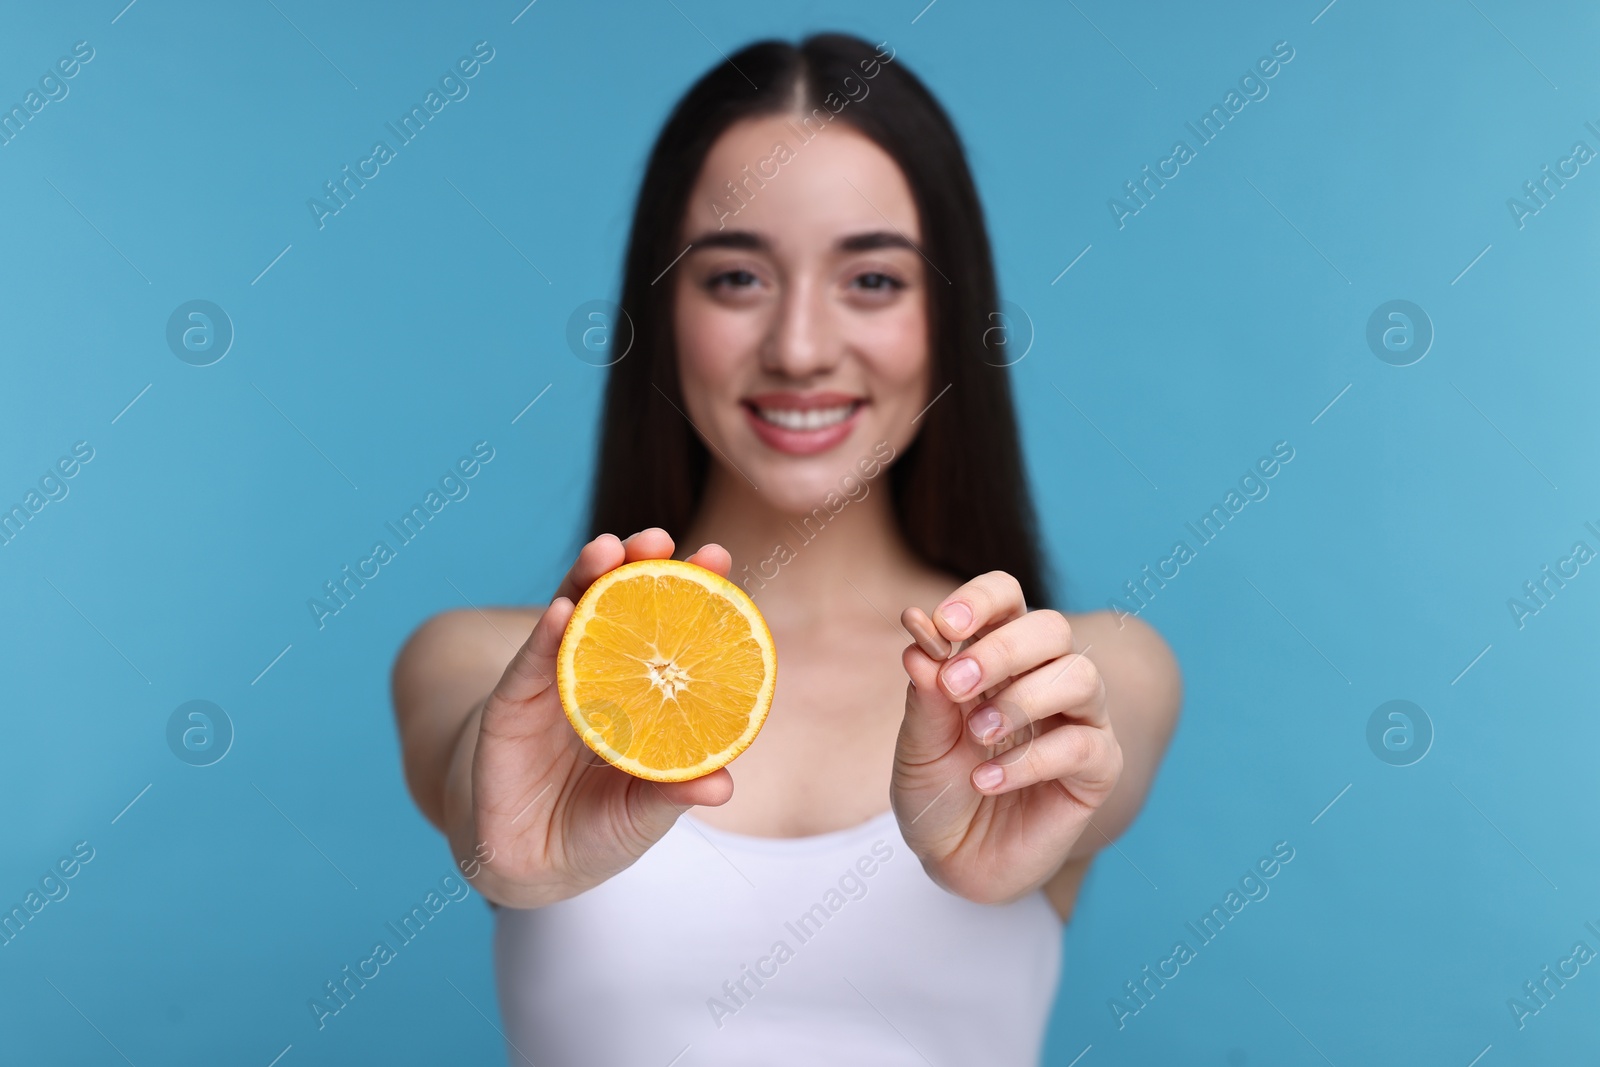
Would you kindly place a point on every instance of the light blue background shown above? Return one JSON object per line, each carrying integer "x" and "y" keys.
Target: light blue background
{"x": 1213, "y": 325}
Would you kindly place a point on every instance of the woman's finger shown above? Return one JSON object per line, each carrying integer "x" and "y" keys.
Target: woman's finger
{"x": 654, "y": 543}
{"x": 986, "y": 601}
{"x": 606, "y": 553}
{"x": 713, "y": 557}
{"x": 1085, "y": 759}
{"x": 1005, "y": 652}
{"x": 1070, "y": 686}
{"x": 602, "y": 554}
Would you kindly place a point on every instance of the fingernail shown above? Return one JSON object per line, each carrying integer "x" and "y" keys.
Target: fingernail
{"x": 962, "y": 676}
{"x": 987, "y": 725}
{"x": 957, "y": 616}
{"x": 988, "y": 776}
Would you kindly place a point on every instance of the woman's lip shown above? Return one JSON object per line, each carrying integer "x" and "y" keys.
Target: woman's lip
{"x": 802, "y": 401}
{"x": 803, "y": 442}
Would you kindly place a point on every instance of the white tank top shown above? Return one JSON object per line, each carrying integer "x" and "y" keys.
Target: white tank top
{"x": 723, "y": 948}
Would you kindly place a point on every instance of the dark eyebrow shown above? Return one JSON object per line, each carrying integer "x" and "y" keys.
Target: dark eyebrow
{"x": 740, "y": 239}
{"x": 753, "y": 242}
{"x": 869, "y": 242}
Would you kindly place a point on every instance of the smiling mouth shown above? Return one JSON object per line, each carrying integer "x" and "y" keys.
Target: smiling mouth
{"x": 803, "y": 420}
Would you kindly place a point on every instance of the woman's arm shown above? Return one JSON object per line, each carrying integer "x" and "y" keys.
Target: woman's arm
{"x": 441, "y": 678}
{"x": 1144, "y": 690}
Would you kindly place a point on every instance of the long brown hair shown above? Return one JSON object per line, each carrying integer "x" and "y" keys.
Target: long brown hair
{"x": 960, "y": 490}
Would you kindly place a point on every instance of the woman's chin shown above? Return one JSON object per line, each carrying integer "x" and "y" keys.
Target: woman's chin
{"x": 827, "y": 484}
{"x": 798, "y": 504}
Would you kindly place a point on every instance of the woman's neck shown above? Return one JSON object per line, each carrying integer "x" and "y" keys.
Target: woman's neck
{"x": 845, "y": 555}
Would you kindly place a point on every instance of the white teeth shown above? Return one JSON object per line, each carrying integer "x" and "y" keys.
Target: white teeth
{"x": 814, "y": 419}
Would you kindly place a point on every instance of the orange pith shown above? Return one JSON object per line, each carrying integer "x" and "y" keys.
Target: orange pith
{"x": 666, "y": 670}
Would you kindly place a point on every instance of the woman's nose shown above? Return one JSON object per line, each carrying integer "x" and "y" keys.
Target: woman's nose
{"x": 802, "y": 341}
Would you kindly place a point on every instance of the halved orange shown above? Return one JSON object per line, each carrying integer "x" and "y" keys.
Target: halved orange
{"x": 666, "y": 670}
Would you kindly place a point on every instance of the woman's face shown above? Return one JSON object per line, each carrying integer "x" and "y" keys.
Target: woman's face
{"x": 801, "y": 318}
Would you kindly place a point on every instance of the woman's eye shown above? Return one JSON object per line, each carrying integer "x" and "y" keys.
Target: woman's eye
{"x": 877, "y": 281}
{"x": 731, "y": 279}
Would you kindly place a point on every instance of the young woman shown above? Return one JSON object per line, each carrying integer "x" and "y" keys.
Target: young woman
{"x": 814, "y": 403}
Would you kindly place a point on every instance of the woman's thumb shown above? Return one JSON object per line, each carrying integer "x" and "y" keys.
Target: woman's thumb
{"x": 530, "y": 674}
{"x": 533, "y": 669}
{"x": 655, "y": 806}
{"x": 932, "y": 724}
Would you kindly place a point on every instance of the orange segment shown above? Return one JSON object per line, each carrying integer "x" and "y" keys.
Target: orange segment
{"x": 666, "y": 670}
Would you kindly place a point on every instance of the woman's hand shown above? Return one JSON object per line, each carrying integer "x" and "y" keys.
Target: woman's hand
{"x": 549, "y": 818}
{"x": 1006, "y": 750}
